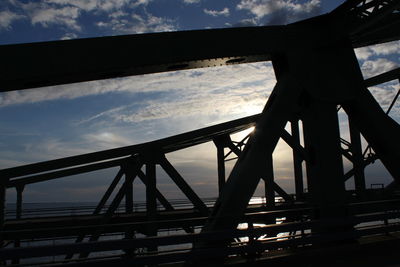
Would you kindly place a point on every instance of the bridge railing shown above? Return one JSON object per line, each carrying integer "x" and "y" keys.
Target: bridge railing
{"x": 181, "y": 247}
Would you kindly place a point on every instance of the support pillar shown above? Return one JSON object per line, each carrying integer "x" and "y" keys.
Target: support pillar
{"x": 129, "y": 193}
{"x": 151, "y": 201}
{"x": 297, "y": 162}
{"x": 129, "y": 178}
{"x": 20, "y": 190}
{"x": 325, "y": 167}
{"x": 17, "y": 242}
{"x": 3, "y": 186}
{"x": 269, "y": 182}
{"x": 221, "y": 167}
{"x": 358, "y": 161}
{"x": 221, "y": 142}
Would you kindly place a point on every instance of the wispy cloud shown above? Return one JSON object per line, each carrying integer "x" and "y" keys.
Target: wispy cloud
{"x": 7, "y": 18}
{"x": 384, "y": 94}
{"x": 385, "y": 49}
{"x": 96, "y": 5}
{"x": 280, "y": 11}
{"x": 215, "y": 13}
{"x": 114, "y": 16}
{"x": 206, "y": 81}
{"x": 69, "y": 36}
{"x": 47, "y": 13}
{"x": 66, "y": 16}
{"x": 190, "y": 100}
{"x": 371, "y": 68}
{"x": 122, "y": 23}
{"x": 104, "y": 140}
{"x": 191, "y": 1}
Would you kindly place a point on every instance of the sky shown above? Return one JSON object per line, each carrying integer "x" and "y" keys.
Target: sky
{"x": 59, "y": 121}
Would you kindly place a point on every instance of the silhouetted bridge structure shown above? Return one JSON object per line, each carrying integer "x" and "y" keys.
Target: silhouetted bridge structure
{"x": 317, "y": 75}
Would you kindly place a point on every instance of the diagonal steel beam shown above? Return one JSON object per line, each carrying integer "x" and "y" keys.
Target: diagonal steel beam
{"x": 380, "y": 131}
{"x": 116, "y": 202}
{"x": 183, "y": 185}
{"x": 282, "y": 193}
{"x": 248, "y": 170}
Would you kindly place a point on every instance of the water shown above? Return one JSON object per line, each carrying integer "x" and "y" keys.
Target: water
{"x": 45, "y": 209}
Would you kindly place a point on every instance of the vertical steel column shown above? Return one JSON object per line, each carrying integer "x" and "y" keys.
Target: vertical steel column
{"x": 151, "y": 200}
{"x": 18, "y": 214}
{"x": 358, "y": 161}
{"x": 3, "y": 186}
{"x": 129, "y": 193}
{"x": 20, "y": 190}
{"x": 269, "y": 182}
{"x": 297, "y": 161}
{"x": 129, "y": 178}
{"x": 325, "y": 167}
{"x": 221, "y": 167}
{"x": 221, "y": 142}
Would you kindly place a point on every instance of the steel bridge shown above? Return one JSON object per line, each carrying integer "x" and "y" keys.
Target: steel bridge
{"x": 317, "y": 74}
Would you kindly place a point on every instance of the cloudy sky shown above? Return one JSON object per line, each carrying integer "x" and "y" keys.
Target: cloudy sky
{"x": 54, "y": 122}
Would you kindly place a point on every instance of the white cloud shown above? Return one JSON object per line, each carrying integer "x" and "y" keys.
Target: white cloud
{"x": 118, "y": 14}
{"x": 220, "y": 92}
{"x": 281, "y": 11}
{"x": 7, "y": 18}
{"x": 138, "y": 24}
{"x": 384, "y": 94}
{"x": 69, "y": 36}
{"x": 191, "y": 1}
{"x": 140, "y": 2}
{"x": 216, "y": 13}
{"x": 46, "y": 14}
{"x": 190, "y": 100}
{"x": 190, "y": 83}
{"x": 363, "y": 53}
{"x": 371, "y": 68}
{"x": 66, "y": 13}
{"x": 260, "y": 8}
{"x": 246, "y": 23}
{"x": 95, "y": 5}
{"x": 385, "y": 49}
{"x": 52, "y": 148}
{"x": 106, "y": 140}
{"x": 64, "y": 16}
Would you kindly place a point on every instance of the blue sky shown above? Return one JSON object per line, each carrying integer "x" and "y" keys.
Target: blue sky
{"x": 59, "y": 121}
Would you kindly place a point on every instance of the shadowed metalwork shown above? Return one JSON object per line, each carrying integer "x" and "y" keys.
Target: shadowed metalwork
{"x": 316, "y": 71}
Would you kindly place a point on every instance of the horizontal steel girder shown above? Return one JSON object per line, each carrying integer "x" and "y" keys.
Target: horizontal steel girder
{"x": 165, "y": 145}
{"x": 35, "y": 65}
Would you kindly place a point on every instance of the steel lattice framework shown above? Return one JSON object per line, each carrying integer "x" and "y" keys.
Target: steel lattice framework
{"x": 316, "y": 71}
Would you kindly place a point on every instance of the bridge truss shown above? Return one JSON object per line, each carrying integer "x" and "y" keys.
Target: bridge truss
{"x": 316, "y": 71}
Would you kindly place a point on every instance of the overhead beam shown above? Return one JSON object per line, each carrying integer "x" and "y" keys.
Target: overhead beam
{"x": 388, "y": 30}
{"x": 383, "y": 78}
{"x": 35, "y": 65}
